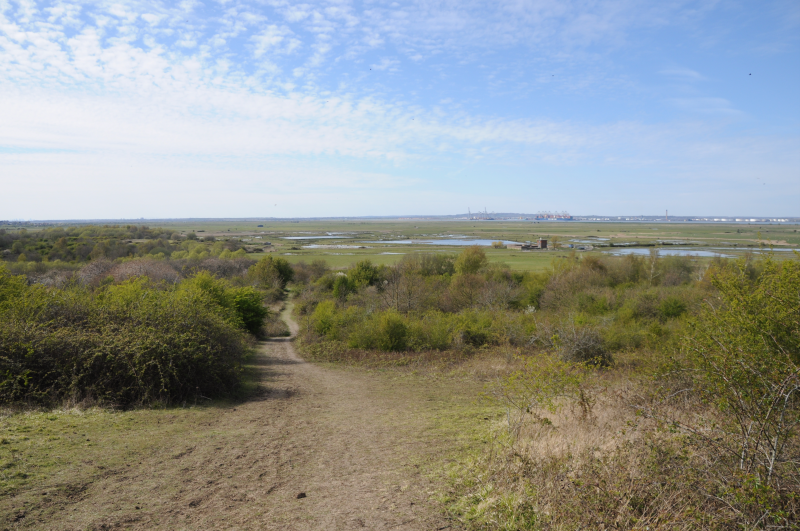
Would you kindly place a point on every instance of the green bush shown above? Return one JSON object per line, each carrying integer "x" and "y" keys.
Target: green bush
{"x": 11, "y": 286}
{"x": 672, "y": 307}
{"x": 362, "y": 274}
{"x": 324, "y": 317}
{"x": 342, "y": 286}
{"x": 622, "y": 337}
{"x": 243, "y": 307}
{"x": 129, "y": 344}
{"x": 433, "y": 331}
{"x": 386, "y": 331}
{"x": 249, "y": 308}
{"x": 271, "y": 272}
{"x": 471, "y": 260}
{"x": 593, "y": 304}
{"x": 393, "y": 332}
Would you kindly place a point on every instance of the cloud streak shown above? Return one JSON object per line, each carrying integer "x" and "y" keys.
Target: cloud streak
{"x": 246, "y": 87}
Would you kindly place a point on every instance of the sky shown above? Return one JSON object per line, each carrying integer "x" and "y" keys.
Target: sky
{"x": 271, "y": 108}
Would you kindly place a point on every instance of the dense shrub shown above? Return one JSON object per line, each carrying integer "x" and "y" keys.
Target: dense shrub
{"x": 471, "y": 260}
{"x": 271, "y": 272}
{"x": 387, "y": 331}
{"x": 242, "y": 306}
{"x": 596, "y": 306}
{"x": 131, "y": 343}
{"x": 672, "y": 307}
{"x": 743, "y": 355}
{"x": 363, "y": 274}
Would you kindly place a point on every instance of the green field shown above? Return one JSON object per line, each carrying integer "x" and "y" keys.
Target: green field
{"x": 355, "y": 240}
{"x": 728, "y": 239}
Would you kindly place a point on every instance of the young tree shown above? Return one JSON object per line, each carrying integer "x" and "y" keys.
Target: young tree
{"x": 471, "y": 260}
{"x": 744, "y": 351}
{"x": 363, "y": 274}
{"x": 272, "y": 272}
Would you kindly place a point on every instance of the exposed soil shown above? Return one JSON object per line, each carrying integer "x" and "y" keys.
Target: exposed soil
{"x": 320, "y": 448}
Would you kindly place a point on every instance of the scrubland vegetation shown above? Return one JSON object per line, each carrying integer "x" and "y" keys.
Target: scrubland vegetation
{"x": 60, "y": 247}
{"x": 639, "y": 391}
{"x": 134, "y": 332}
{"x": 438, "y": 302}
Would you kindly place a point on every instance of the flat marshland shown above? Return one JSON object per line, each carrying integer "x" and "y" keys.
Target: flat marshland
{"x": 223, "y": 375}
{"x": 343, "y": 243}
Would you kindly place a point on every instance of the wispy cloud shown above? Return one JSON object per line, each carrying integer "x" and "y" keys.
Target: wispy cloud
{"x": 719, "y": 106}
{"x": 241, "y": 86}
{"x": 682, "y": 74}
{"x": 386, "y": 64}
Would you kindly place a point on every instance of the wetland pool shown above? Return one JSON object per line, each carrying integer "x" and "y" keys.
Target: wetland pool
{"x": 484, "y": 243}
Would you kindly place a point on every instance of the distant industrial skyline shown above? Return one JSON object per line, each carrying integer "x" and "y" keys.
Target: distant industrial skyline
{"x": 510, "y": 216}
{"x": 348, "y": 108}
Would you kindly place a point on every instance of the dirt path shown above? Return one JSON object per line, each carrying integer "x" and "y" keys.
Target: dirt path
{"x": 354, "y": 443}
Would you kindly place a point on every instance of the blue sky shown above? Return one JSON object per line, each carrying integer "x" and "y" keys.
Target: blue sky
{"x": 338, "y": 108}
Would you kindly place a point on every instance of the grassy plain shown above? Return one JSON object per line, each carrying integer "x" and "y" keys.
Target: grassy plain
{"x": 355, "y": 240}
{"x": 348, "y": 241}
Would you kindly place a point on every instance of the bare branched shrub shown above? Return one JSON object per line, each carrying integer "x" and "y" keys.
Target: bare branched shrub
{"x": 465, "y": 291}
{"x": 369, "y": 298}
{"x": 560, "y": 291}
{"x": 573, "y": 343}
{"x": 55, "y": 278}
{"x": 498, "y": 295}
{"x": 225, "y": 268}
{"x": 403, "y": 291}
{"x": 92, "y": 273}
{"x": 304, "y": 272}
{"x": 155, "y": 270}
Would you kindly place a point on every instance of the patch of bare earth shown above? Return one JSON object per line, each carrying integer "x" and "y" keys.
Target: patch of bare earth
{"x": 320, "y": 448}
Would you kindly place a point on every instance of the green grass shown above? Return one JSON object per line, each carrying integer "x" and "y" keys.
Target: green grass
{"x": 49, "y": 459}
{"x": 362, "y": 232}
{"x": 73, "y": 446}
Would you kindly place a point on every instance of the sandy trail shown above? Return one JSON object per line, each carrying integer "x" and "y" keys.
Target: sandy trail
{"x": 351, "y": 441}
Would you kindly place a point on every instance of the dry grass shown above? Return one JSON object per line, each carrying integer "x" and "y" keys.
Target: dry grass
{"x": 613, "y": 468}
{"x": 600, "y": 460}
{"x": 274, "y": 324}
